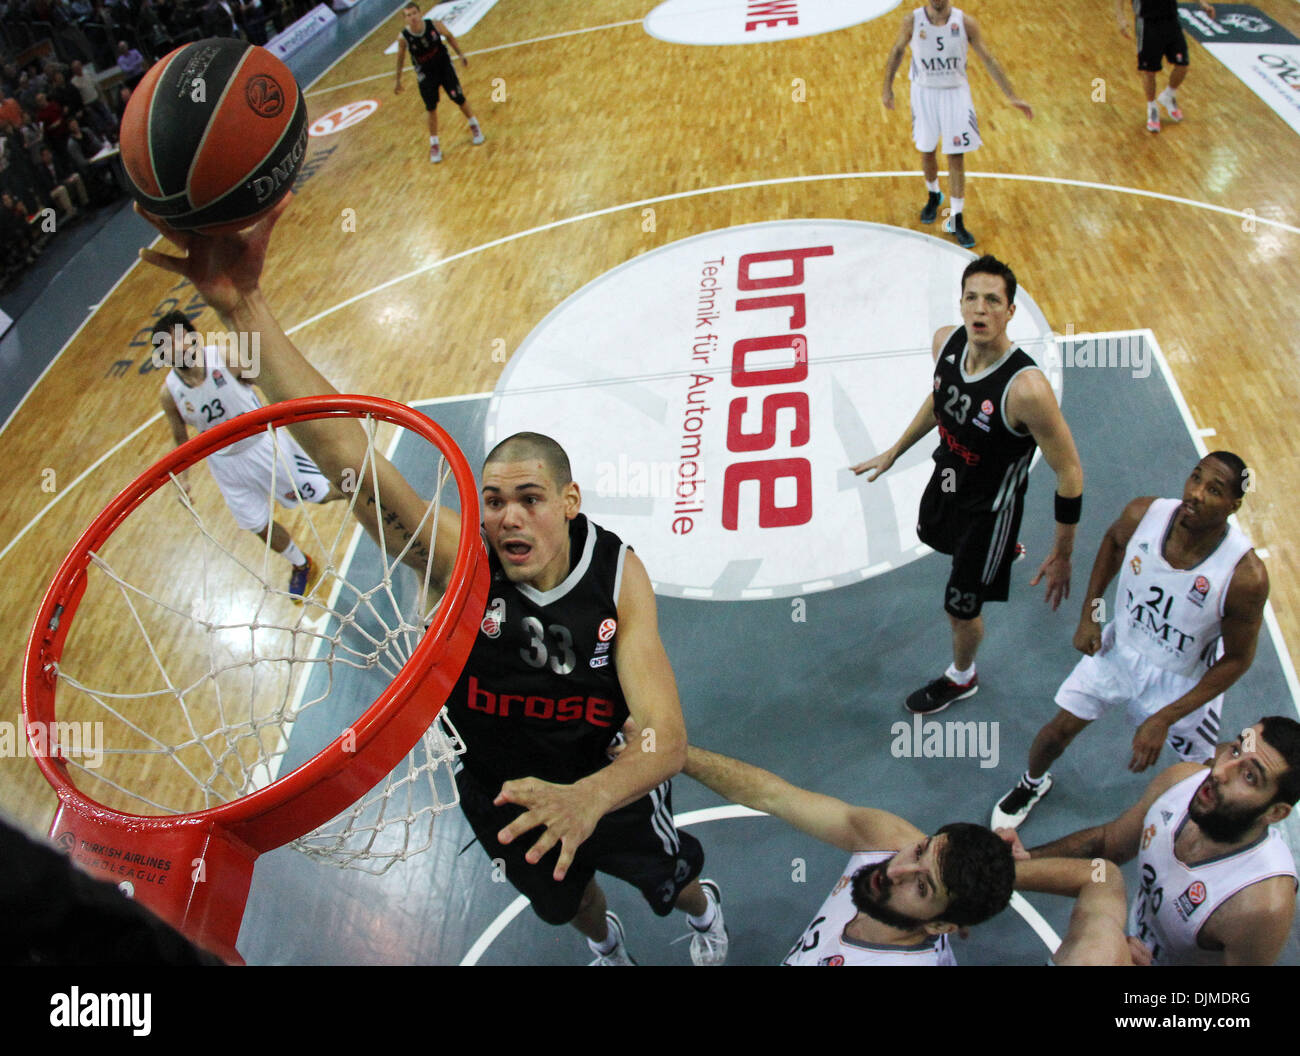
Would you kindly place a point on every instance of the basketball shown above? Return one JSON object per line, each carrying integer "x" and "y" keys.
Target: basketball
{"x": 214, "y": 135}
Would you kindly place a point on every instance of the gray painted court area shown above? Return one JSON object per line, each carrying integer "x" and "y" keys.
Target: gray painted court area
{"x": 817, "y": 701}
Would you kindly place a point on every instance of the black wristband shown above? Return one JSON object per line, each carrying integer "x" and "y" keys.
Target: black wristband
{"x": 1068, "y": 510}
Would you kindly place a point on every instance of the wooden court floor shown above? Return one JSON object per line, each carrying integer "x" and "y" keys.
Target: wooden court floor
{"x": 614, "y": 123}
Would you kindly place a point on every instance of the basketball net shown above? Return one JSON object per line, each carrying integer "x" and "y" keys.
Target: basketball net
{"x": 245, "y": 680}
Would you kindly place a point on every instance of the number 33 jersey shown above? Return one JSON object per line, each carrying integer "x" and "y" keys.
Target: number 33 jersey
{"x": 1173, "y": 616}
{"x": 824, "y": 944}
{"x": 540, "y": 696}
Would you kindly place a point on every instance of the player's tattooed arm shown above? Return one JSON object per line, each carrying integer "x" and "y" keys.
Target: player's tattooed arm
{"x": 829, "y": 819}
{"x": 976, "y": 37}
{"x": 1117, "y": 840}
{"x": 895, "y": 60}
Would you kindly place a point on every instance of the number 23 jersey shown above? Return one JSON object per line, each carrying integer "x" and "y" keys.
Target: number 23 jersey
{"x": 540, "y": 696}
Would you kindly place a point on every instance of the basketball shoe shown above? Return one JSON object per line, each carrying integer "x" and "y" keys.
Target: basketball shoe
{"x": 1015, "y": 806}
{"x": 435, "y": 154}
{"x": 478, "y": 136}
{"x": 937, "y": 695}
{"x": 303, "y": 580}
{"x": 1167, "y": 100}
{"x": 709, "y": 945}
{"x": 618, "y": 956}
{"x": 931, "y": 209}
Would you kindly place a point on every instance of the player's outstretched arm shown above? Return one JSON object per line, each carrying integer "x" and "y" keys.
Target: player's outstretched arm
{"x": 227, "y": 271}
{"x": 1032, "y": 405}
{"x": 829, "y": 819}
{"x": 401, "y": 62}
{"x": 451, "y": 40}
{"x": 976, "y": 37}
{"x": 1096, "y": 934}
{"x": 568, "y": 814}
{"x": 895, "y": 60}
{"x": 1253, "y": 925}
{"x": 921, "y": 424}
{"x": 1117, "y": 840}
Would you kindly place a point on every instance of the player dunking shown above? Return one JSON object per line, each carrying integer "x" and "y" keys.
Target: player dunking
{"x": 201, "y": 390}
{"x": 993, "y": 406}
{"x": 423, "y": 37}
{"x": 943, "y": 113}
{"x": 567, "y": 650}
{"x": 1190, "y": 603}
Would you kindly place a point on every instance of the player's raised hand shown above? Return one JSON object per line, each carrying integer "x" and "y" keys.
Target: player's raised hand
{"x": 564, "y": 811}
{"x": 1147, "y": 742}
{"x": 223, "y": 268}
{"x": 1056, "y": 568}
{"x": 1087, "y": 636}
{"x": 875, "y": 466}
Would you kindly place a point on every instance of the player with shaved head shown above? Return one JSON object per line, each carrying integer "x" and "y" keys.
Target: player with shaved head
{"x": 567, "y": 650}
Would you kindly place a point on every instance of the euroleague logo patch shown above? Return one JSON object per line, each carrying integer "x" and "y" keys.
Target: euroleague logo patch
{"x": 784, "y": 353}
{"x": 1191, "y": 899}
{"x": 606, "y": 629}
{"x": 264, "y": 96}
{"x": 757, "y": 21}
{"x": 1200, "y": 590}
{"x": 493, "y": 618}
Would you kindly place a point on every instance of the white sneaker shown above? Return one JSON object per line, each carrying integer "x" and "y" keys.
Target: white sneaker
{"x": 709, "y": 947}
{"x": 1167, "y": 100}
{"x": 435, "y": 154}
{"x": 1015, "y": 806}
{"x": 618, "y": 956}
{"x": 478, "y": 135}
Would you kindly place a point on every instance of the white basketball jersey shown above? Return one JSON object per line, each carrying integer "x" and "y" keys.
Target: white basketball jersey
{"x": 1173, "y": 616}
{"x": 1175, "y": 900}
{"x": 938, "y": 52}
{"x": 217, "y": 398}
{"x": 824, "y": 942}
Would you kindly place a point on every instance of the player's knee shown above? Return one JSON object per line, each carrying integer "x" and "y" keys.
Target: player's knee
{"x": 556, "y": 915}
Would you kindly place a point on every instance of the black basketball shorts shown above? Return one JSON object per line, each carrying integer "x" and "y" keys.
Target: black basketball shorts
{"x": 1157, "y": 40}
{"x": 435, "y": 75}
{"x": 982, "y": 546}
{"x": 638, "y": 843}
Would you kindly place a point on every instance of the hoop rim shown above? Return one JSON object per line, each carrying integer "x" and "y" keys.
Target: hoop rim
{"x": 318, "y": 789}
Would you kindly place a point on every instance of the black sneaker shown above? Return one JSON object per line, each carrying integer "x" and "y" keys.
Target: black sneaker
{"x": 940, "y": 693}
{"x": 964, "y": 238}
{"x": 1016, "y": 804}
{"x": 931, "y": 209}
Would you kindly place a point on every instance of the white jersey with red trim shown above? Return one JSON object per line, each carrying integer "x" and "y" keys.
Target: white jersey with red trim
{"x": 938, "y": 52}
{"x": 1175, "y": 900}
{"x": 1174, "y": 616}
{"x": 824, "y": 943}
{"x": 219, "y": 397}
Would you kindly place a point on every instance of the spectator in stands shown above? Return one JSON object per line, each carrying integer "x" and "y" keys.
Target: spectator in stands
{"x": 130, "y": 62}
{"x": 220, "y": 20}
{"x": 53, "y": 120}
{"x": 97, "y": 115}
{"x": 55, "y": 180}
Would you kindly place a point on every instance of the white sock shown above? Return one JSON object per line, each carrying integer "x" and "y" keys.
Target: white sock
{"x": 932, "y": 186}
{"x": 295, "y": 556}
{"x": 1032, "y": 782}
{"x": 705, "y": 920}
{"x": 608, "y": 946}
{"x": 433, "y": 141}
{"x": 473, "y": 122}
{"x": 957, "y": 203}
{"x": 960, "y": 677}
{"x": 1152, "y": 109}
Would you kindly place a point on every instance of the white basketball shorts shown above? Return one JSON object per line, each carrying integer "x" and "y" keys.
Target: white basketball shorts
{"x": 1119, "y": 676}
{"x": 246, "y": 478}
{"x": 944, "y": 118}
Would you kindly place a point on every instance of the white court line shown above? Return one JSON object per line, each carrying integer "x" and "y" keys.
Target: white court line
{"x": 480, "y": 51}
{"x": 771, "y": 182}
{"x": 698, "y": 817}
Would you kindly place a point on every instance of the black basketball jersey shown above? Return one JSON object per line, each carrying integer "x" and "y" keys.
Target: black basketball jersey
{"x": 427, "y": 47}
{"x": 540, "y": 696}
{"x": 1156, "y": 10}
{"x": 988, "y": 460}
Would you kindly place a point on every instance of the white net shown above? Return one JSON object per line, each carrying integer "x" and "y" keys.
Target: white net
{"x": 198, "y": 671}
